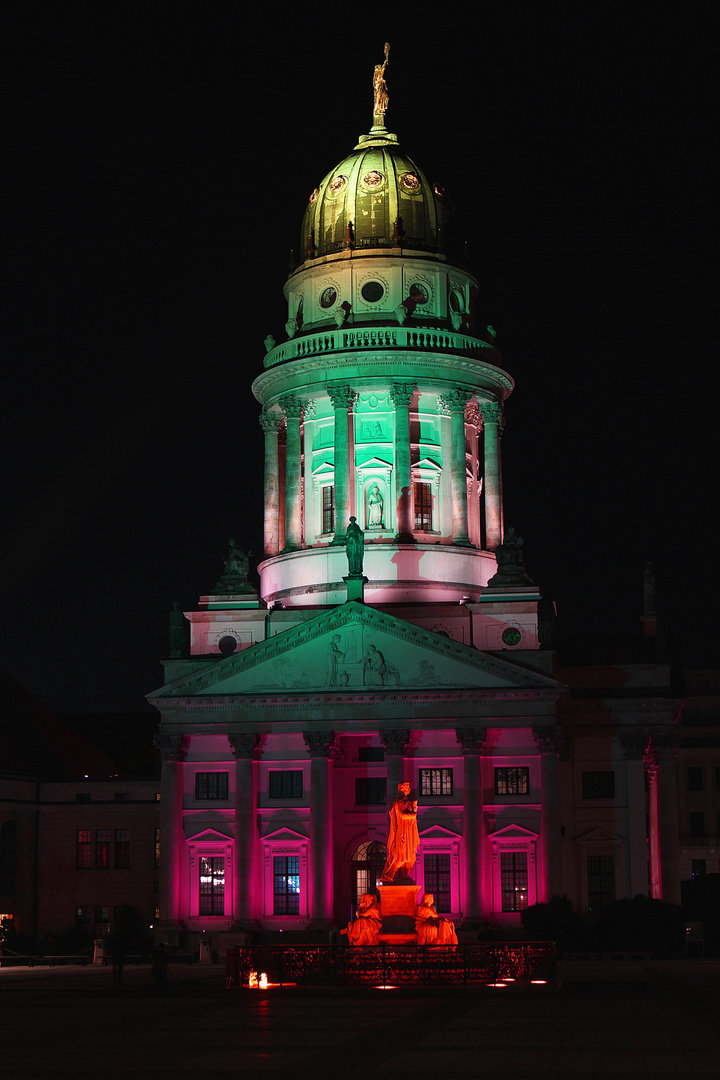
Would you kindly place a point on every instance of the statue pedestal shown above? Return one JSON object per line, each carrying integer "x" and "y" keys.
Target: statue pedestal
{"x": 398, "y": 904}
{"x": 356, "y": 587}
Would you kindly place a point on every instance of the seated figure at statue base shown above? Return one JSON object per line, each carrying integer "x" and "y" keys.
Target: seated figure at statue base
{"x": 433, "y": 929}
{"x": 365, "y": 927}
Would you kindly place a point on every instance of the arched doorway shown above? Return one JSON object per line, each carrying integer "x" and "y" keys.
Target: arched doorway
{"x": 368, "y": 861}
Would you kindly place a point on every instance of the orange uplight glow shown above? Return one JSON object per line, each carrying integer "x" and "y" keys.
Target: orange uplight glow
{"x": 539, "y": 982}
{"x": 253, "y": 980}
{"x": 263, "y": 981}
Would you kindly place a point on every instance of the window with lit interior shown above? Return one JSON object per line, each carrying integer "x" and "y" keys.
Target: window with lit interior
{"x": 436, "y": 782}
{"x": 212, "y": 885}
{"x": 514, "y": 880}
{"x": 286, "y": 887}
{"x": 512, "y": 780}
{"x": 328, "y": 508}
{"x": 436, "y": 873}
{"x": 422, "y": 497}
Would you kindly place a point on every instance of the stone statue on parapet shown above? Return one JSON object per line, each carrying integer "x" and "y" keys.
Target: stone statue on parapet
{"x": 510, "y": 564}
{"x": 354, "y": 548}
{"x": 381, "y": 96}
{"x": 365, "y": 927}
{"x": 403, "y": 837}
{"x": 234, "y": 578}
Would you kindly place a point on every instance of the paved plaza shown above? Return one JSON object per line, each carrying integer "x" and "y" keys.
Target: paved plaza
{"x": 629, "y": 1018}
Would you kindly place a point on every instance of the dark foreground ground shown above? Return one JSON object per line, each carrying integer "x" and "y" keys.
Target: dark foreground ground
{"x": 633, "y": 1019}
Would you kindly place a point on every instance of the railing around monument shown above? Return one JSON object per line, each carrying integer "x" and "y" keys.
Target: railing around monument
{"x": 313, "y": 965}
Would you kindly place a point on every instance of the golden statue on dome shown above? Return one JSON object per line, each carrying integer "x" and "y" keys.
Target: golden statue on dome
{"x": 380, "y": 103}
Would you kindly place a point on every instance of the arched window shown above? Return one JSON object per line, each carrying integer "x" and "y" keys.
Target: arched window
{"x": 368, "y": 861}
{"x": 8, "y": 857}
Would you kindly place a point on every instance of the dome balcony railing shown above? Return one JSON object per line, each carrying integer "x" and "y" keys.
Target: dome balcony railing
{"x": 396, "y": 337}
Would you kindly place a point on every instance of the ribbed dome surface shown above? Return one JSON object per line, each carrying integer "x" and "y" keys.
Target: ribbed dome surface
{"x": 381, "y": 194}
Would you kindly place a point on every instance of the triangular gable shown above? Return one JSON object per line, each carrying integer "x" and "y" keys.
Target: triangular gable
{"x": 514, "y": 832}
{"x": 597, "y": 835}
{"x": 284, "y": 834}
{"x": 208, "y": 834}
{"x": 438, "y": 832}
{"x": 356, "y": 648}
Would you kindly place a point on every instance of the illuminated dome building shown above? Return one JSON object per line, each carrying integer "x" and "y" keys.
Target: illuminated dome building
{"x": 285, "y": 732}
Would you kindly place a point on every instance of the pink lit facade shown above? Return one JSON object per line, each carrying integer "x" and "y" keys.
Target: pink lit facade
{"x": 285, "y": 732}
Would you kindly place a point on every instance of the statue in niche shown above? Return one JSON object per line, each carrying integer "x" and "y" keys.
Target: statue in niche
{"x": 403, "y": 837}
{"x": 375, "y": 508}
{"x": 177, "y": 632}
{"x": 354, "y": 548}
{"x": 365, "y": 927}
{"x": 381, "y": 97}
{"x": 333, "y": 661}
{"x": 433, "y": 929}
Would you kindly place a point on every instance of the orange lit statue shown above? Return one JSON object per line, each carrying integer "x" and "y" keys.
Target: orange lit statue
{"x": 403, "y": 838}
{"x": 365, "y": 928}
{"x": 433, "y": 929}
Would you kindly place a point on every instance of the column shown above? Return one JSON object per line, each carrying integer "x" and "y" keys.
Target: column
{"x": 320, "y": 745}
{"x": 396, "y": 742}
{"x": 547, "y": 740}
{"x": 292, "y": 407}
{"x": 458, "y": 469}
{"x": 173, "y": 751}
{"x": 271, "y": 422}
{"x": 401, "y": 394}
{"x": 342, "y": 398}
{"x": 244, "y": 749}
{"x": 634, "y": 744}
{"x": 492, "y": 476}
{"x": 664, "y": 824}
{"x": 472, "y": 741}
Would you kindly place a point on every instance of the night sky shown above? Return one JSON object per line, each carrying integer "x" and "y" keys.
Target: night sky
{"x": 160, "y": 158}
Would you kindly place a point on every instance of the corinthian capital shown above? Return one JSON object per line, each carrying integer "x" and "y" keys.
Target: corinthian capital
{"x": 395, "y": 741}
{"x": 270, "y": 421}
{"x": 245, "y": 745}
{"x": 172, "y": 747}
{"x": 458, "y": 399}
{"x": 491, "y": 411}
{"x": 341, "y": 397}
{"x": 471, "y": 740}
{"x": 292, "y": 406}
{"x": 402, "y": 393}
{"x": 320, "y": 743}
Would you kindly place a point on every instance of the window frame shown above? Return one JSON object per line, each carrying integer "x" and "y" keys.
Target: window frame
{"x": 285, "y": 778}
{"x": 445, "y": 779}
{"x": 376, "y": 785}
{"x": 83, "y": 849}
{"x": 213, "y": 788}
{"x": 593, "y": 787}
{"x": 516, "y": 771}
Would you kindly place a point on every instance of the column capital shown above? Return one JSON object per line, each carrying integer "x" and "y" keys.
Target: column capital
{"x": 395, "y": 741}
{"x": 244, "y": 746}
{"x": 443, "y": 406}
{"x": 341, "y": 397}
{"x": 401, "y": 393}
{"x": 270, "y": 421}
{"x": 472, "y": 414}
{"x": 471, "y": 740}
{"x": 320, "y": 743}
{"x": 548, "y": 740}
{"x": 292, "y": 406}
{"x": 172, "y": 747}
{"x": 458, "y": 399}
{"x": 491, "y": 411}
{"x": 634, "y": 744}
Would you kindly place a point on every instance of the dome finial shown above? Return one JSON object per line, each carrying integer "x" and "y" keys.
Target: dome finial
{"x": 380, "y": 103}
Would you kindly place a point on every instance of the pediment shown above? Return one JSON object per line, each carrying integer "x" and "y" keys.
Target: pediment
{"x": 355, "y": 648}
{"x": 437, "y": 832}
{"x": 594, "y": 836}
{"x": 207, "y": 835}
{"x": 514, "y": 832}
{"x": 284, "y": 835}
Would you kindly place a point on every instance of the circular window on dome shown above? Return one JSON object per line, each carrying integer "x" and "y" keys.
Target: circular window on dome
{"x": 372, "y": 291}
{"x": 372, "y": 179}
{"x": 328, "y": 297}
{"x": 511, "y": 636}
{"x": 455, "y": 301}
{"x": 419, "y": 293}
{"x": 439, "y": 190}
{"x": 313, "y": 197}
{"x": 227, "y": 644}
{"x": 336, "y": 185}
{"x": 410, "y": 182}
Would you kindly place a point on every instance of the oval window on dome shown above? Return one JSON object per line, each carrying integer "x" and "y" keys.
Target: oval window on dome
{"x": 313, "y": 197}
{"x": 372, "y": 291}
{"x": 410, "y": 182}
{"x": 439, "y": 190}
{"x": 328, "y": 297}
{"x": 455, "y": 301}
{"x": 336, "y": 185}
{"x": 419, "y": 293}
{"x": 372, "y": 179}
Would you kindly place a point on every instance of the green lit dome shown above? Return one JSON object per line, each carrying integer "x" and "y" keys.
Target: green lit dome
{"x": 379, "y": 198}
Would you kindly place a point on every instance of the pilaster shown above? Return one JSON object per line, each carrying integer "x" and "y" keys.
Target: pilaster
{"x": 472, "y": 741}
{"x": 401, "y": 394}
{"x": 173, "y": 751}
{"x": 244, "y": 748}
{"x": 321, "y": 746}
{"x": 341, "y": 398}
{"x": 548, "y": 742}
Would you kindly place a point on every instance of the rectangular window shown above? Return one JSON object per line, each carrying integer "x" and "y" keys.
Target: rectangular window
{"x": 328, "y": 509}
{"x": 601, "y": 882}
{"x": 286, "y": 891}
{"x": 598, "y": 785}
{"x": 102, "y": 848}
{"x": 422, "y": 495}
{"x": 156, "y": 862}
{"x": 122, "y": 849}
{"x": 287, "y": 784}
{"x": 512, "y": 781}
{"x": 83, "y": 849}
{"x": 514, "y": 880}
{"x": 370, "y": 790}
{"x": 695, "y": 778}
{"x": 436, "y": 782}
{"x": 211, "y": 785}
{"x": 697, "y": 824}
{"x": 212, "y": 885}
{"x": 371, "y": 753}
{"x": 436, "y": 870}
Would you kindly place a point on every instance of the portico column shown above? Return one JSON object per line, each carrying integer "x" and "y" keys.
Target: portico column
{"x": 271, "y": 422}
{"x": 292, "y": 407}
{"x": 320, "y": 745}
{"x": 458, "y": 399}
{"x": 492, "y": 476}
{"x": 342, "y": 398}
{"x": 244, "y": 749}
{"x": 395, "y": 741}
{"x": 547, "y": 740}
{"x": 636, "y": 871}
{"x": 472, "y": 741}
{"x": 664, "y": 824}
{"x": 401, "y": 394}
{"x": 173, "y": 751}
